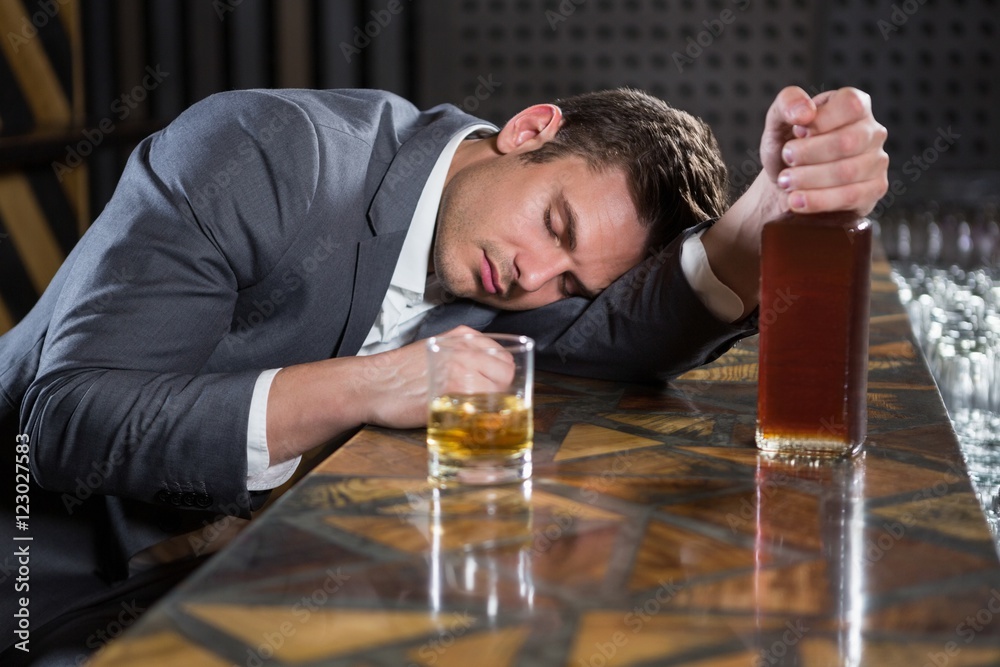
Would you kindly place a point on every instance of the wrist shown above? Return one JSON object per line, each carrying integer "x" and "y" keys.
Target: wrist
{"x": 732, "y": 245}
{"x": 366, "y": 378}
{"x": 310, "y": 403}
{"x": 762, "y": 202}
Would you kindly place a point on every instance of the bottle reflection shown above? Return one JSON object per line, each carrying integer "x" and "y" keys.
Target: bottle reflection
{"x": 481, "y": 551}
{"x": 813, "y": 611}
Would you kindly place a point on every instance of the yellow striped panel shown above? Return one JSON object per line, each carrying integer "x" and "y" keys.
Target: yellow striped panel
{"x": 74, "y": 184}
{"x": 69, "y": 17}
{"x": 33, "y": 70}
{"x": 29, "y": 232}
{"x": 6, "y": 319}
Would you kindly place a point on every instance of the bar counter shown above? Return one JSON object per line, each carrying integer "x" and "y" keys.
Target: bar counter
{"x": 652, "y": 533}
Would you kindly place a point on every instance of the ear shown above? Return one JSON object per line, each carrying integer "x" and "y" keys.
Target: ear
{"x": 530, "y": 129}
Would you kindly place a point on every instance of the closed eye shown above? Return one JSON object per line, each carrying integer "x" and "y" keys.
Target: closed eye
{"x": 548, "y": 225}
{"x": 568, "y": 285}
{"x": 564, "y": 278}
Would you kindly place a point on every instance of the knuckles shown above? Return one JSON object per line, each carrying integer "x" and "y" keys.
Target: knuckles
{"x": 883, "y": 186}
{"x": 847, "y": 172}
{"x": 848, "y": 143}
{"x": 883, "y": 161}
{"x": 881, "y": 133}
{"x": 851, "y": 198}
{"x": 858, "y": 101}
{"x": 791, "y": 95}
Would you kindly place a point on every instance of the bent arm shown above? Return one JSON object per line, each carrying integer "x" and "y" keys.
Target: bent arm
{"x": 649, "y": 325}
{"x": 819, "y": 154}
{"x": 202, "y": 211}
{"x": 310, "y": 403}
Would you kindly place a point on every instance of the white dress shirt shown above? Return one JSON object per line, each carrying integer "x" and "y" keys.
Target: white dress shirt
{"x": 412, "y": 294}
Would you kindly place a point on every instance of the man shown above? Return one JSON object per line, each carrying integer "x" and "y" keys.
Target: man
{"x": 252, "y": 289}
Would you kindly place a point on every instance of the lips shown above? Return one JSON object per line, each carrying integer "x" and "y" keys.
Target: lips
{"x": 490, "y": 277}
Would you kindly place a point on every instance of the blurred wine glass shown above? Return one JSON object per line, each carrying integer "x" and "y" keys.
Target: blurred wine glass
{"x": 945, "y": 262}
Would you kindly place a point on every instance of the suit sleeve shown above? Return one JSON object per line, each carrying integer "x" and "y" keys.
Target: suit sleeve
{"x": 204, "y": 209}
{"x": 648, "y": 326}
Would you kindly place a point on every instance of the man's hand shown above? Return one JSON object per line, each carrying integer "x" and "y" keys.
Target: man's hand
{"x": 824, "y": 153}
{"x": 311, "y": 403}
{"x": 397, "y": 382}
{"x": 818, "y": 154}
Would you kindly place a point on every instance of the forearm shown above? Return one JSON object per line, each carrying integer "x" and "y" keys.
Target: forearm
{"x": 826, "y": 152}
{"x": 311, "y": 403}
{"x": 732, "y": 244}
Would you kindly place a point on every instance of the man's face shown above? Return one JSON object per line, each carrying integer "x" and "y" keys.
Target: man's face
{"x": 515, "y": 235}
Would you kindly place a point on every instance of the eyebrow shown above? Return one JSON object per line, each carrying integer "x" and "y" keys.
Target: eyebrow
{"x": 571, "y": 221}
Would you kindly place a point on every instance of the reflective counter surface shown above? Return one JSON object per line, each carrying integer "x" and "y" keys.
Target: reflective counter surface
{"x": 652, "y": 533}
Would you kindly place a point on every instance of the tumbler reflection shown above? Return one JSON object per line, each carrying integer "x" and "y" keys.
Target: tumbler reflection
{"x": 481, "y": 550}
{"x": 787, "y": 627}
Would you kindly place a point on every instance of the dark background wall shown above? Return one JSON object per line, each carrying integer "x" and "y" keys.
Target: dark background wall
{"x": 81, "y": 81}
{"x": 928, "y": 65}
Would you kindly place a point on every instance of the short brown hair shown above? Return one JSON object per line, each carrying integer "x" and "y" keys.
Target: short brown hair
{"x": 671, "y": 159}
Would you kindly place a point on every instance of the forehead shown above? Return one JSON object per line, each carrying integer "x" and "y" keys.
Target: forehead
{"x": 600, "y": 198}
{"x": 600, "y": 186}
{"x": 610, "y": 238}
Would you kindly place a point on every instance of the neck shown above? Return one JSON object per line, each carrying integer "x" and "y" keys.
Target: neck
{"x": 470, "y": 152}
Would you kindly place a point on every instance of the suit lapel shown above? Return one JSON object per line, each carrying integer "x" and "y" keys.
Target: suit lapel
{"x": 376, "y": 261}
{"x": 389, "y": 219}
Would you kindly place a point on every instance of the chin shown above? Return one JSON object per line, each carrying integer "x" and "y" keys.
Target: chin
{"x": 450, "y": 283}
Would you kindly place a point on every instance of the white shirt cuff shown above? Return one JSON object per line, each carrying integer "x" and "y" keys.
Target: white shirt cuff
{"x": 719, "y": 299}
{"x": 261, "y": 476}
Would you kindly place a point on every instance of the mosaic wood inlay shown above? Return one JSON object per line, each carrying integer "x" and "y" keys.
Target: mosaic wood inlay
{"x": 652, "y": 533}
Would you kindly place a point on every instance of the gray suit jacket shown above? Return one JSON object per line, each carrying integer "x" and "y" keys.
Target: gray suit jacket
{"x": 260, "y": 229}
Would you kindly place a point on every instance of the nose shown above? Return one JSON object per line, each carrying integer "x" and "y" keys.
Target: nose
{"x": 540, "y": 268}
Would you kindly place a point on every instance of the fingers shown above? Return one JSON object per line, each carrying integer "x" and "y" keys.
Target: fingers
{"x": 460, "y": 330}
{"x": 474, "y": 372}
{"x": 472, "y": 339}
{"x": 845, "y": 142}
{"x": 472, "y": 363}
{"x": 838, "y": 108}
{"x": 855, "y": 169}
{"x": 858, "y": 197}
{"x": 395, "y": 384}
{"x": 792, "y": 106}
{"x": 835, "y": 159}
{"x": 825, "y": 96}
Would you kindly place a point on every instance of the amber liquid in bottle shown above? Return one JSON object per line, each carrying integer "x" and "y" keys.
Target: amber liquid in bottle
{"x": 815, "y": 289}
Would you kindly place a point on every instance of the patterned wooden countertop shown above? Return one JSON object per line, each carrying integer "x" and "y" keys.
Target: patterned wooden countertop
{"x": 652, "y": 533}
